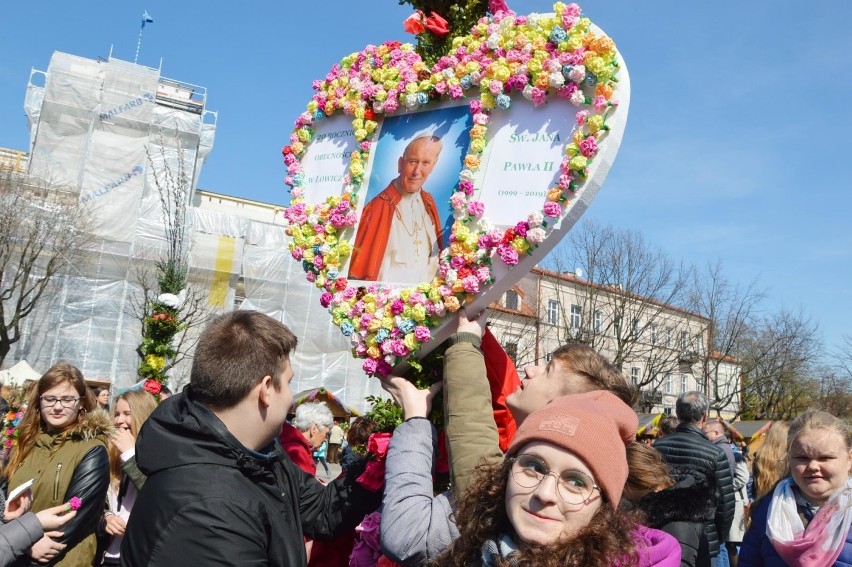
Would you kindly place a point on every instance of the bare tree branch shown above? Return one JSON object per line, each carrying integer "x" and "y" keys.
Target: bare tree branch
{"x": 778, "y": 360}
{"x": 731, "y": 312}
{"x": 628, "y": 305}
{"x": 43, "y": 231}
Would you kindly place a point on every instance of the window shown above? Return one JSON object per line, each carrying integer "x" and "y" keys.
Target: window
{"x": 684, "y": 341}
{"x": 634, "y": 375}
{"x": 637, "y": 329}
{"x": 240, "y": 292}
{"x": 552, "y": 311}
{"x": 616, "y": 326}
{"x": 511, "y": 349}
{"x": 667, "y": 411}
{"x": 548, "y": 356}
{"x": 511, "y": 299}
{"x": 668, "y": 384}
{"x": 652, "y": 329}
{"x": 576, "y": 316}
{"x": 598, "y": 321}
{"x": 669, "y": 336}
{"x": 699, "y": 344}
{"x": 684, "y": 383}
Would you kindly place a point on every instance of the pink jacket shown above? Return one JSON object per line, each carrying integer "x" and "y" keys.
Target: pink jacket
{"x": 656, "y": 548}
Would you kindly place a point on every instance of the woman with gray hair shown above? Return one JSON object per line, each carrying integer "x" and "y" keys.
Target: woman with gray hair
{"x": 308, "y": 432}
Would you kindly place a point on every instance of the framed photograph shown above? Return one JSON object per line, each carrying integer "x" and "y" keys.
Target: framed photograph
{"x": 406, "y": 216}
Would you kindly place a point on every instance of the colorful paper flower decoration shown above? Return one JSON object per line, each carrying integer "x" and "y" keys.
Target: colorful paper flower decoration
{"x": 538, "y": 56}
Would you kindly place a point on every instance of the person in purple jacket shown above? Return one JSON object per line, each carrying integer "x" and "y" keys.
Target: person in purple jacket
{"x": 553, "y": 500}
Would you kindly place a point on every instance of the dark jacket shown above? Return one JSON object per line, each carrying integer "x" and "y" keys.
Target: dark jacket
{"x": 757, "y": 549}
{"x": 666, "y": 510}
{"x": 209, "y": 500}
{"x": 689, "y": 449}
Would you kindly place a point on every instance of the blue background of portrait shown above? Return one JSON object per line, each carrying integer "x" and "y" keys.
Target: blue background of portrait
{"x": 452, "y": 125}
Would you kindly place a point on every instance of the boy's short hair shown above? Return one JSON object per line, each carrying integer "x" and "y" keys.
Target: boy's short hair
{"x": 235, "y": 351}
{"x": 583, "y": 360}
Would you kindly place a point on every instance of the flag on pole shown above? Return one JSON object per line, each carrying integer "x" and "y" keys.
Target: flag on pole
{"x": 146, "y": 19}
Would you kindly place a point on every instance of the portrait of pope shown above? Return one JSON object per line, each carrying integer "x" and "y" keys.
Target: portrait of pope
{"x": 399, "y": 235}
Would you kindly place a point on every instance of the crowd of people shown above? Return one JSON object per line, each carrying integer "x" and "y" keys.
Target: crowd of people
{"x": 545, "y": 469}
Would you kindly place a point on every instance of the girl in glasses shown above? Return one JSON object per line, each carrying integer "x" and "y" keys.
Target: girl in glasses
{"x": 63, "y": 447}
{"x": 553, "y": 499}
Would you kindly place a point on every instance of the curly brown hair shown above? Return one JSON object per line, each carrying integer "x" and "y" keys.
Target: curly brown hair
{"x": 481, "y": 515}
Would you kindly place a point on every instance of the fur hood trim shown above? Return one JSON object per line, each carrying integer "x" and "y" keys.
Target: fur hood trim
{"x": 90, "y": 424}
{"x": 667, "y": 505}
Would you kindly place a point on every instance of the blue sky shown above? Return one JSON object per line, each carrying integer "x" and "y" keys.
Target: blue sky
{"x": 736, "y": 147}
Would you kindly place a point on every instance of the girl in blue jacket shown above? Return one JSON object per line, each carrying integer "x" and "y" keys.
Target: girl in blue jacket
{"x": 806, "y": 520}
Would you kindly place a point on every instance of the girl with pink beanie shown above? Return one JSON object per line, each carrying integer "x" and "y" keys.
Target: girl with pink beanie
{"x": 553, "y": 500}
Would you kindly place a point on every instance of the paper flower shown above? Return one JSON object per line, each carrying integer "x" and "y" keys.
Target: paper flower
{"x": 413, "y": 24}
{"x": 537, "y": 57}
{"x": 437, "y": 25}
{"x": 373, "y": 477}
{"x": 75, "y": 503}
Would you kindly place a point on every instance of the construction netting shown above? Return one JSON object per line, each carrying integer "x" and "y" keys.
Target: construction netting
{"x": 106, "y": 129}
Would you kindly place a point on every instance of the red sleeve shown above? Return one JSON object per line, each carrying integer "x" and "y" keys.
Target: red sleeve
{"x": 371, "y": 240}
{"x": 296, "y": 447}
{"x": 503, "y": 379}
{"x": 332, "y": 553}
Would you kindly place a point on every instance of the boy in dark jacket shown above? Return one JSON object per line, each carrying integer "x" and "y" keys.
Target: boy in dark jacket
{"x": 220, "y": 491}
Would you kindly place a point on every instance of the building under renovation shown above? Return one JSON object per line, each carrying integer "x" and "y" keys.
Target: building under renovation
{"x": 106, "y": 129}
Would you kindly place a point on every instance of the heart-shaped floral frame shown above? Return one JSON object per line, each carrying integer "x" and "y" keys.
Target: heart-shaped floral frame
{"x": 540, "y": 56}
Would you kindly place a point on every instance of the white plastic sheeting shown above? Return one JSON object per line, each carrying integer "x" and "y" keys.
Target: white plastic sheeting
{"x": 94, "y": 125}
{"x": 275, "y": 285}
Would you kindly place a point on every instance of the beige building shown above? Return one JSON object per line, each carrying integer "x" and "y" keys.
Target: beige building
{"x": 660, "y": 348}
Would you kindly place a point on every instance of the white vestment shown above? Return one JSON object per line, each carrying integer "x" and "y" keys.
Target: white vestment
{"x": 412, "y": 252}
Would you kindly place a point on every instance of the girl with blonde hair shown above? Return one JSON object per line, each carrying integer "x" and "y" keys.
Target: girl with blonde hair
{"x": 131, "y": 409}
{"x": 806, "y": 520}
{"x": 770, "y": 461}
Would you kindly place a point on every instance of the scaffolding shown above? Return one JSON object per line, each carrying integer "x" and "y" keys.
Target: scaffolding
{"x": 93, "y": 125}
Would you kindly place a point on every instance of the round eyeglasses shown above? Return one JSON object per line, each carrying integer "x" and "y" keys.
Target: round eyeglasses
{"x": 66, "y": 401}
{"x": 573, "y": 486}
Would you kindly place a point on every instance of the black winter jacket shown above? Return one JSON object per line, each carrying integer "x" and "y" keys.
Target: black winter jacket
{"x": 681, "y": 511}
{"x": 210, "y": 501}
{"x": 689, "y": 449}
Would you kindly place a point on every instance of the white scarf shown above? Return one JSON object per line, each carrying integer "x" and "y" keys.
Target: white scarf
{"x": 820, "y": 543}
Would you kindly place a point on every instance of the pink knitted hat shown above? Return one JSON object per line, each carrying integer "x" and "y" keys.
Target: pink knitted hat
{"x": 595, "y": 426}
